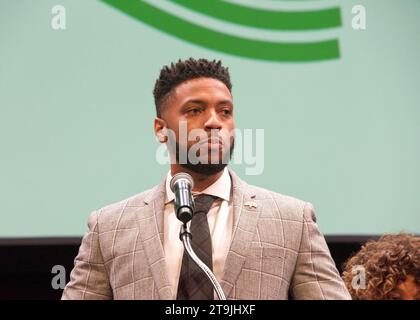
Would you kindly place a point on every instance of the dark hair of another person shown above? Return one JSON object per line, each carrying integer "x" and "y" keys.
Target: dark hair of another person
{"x": 386, "y": 262}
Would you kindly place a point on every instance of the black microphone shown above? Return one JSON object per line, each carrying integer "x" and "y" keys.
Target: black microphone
{"x": 181, "y": 185}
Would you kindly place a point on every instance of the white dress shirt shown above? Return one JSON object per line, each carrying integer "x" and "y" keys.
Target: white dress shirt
{"x": 220, "y": 218}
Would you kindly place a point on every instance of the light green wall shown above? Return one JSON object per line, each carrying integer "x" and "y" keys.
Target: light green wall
{"x": 77, "y": 113}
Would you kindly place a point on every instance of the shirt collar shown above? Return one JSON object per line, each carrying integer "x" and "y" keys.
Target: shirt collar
{"x": 220, "y": 188}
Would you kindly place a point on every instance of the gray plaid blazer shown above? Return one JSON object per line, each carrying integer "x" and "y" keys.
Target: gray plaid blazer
{"x": 277, "y": 250}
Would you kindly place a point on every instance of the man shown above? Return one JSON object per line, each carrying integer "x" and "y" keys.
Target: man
{"x": 264, "y": 245}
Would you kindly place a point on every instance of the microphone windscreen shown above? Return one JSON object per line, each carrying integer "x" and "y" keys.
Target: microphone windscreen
{"x": 181, "y": 176}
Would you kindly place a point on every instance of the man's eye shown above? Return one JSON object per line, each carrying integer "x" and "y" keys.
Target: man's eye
{"x": 194, "y": 111}
{"x": 227, "y": 112}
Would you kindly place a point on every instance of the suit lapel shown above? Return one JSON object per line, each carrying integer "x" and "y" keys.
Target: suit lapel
{"x": 245, "y": 223}
{"x": 150, "y": 223}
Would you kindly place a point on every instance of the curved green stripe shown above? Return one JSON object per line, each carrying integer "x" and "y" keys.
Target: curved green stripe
{"x": 266, "y": 19}
{"x": 255, "y": 49}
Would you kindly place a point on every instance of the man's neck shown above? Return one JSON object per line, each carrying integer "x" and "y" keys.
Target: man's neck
{"x": 201, "y": 181}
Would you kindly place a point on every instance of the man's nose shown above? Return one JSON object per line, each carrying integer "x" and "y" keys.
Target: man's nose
{"x": 213, "y": 122}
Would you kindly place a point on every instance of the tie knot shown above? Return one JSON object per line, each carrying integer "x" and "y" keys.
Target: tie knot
{"x": 203, "y": 203}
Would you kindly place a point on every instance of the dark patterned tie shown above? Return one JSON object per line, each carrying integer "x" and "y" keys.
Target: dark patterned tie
{"x": 193, "y": 283}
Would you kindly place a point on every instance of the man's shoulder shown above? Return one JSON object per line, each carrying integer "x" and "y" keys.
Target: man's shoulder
{"x": 285, "y": 206}
{"x": 274, "y": 204}
{"x": 123, "y": 211}
{"x": 136, "y": 200}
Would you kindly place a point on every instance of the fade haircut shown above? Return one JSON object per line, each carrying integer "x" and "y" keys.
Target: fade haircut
{"x": 183, "y": 70}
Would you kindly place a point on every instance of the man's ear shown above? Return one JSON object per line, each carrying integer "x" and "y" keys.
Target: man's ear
{"x": 160, "y": 130}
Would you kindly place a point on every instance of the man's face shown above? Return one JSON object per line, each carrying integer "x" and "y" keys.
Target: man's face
{"x": 203, "y": 107}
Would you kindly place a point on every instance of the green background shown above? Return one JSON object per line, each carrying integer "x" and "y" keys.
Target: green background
{"x": 76, "y": 122}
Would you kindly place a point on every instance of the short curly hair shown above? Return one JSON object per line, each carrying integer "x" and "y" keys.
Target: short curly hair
{"x": 386, "y": 263}
{"x": 176, "y": 73}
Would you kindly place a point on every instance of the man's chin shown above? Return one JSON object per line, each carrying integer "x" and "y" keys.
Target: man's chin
{"x": 207, "y": 169}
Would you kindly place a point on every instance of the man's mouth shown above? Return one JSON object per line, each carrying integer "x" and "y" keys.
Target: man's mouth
{"x": 212, "y": 142}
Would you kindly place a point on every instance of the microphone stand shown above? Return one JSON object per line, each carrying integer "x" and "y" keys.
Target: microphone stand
{"x": 185, "y": 237}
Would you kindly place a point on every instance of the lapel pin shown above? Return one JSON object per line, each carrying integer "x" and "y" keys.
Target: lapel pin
{"x": 250, "y": 204}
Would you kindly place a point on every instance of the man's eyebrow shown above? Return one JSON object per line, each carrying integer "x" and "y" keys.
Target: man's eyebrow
{"x": 194, "y": 101}
{"x": 202, "y": 102}
{"x": 229, "y": 102}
